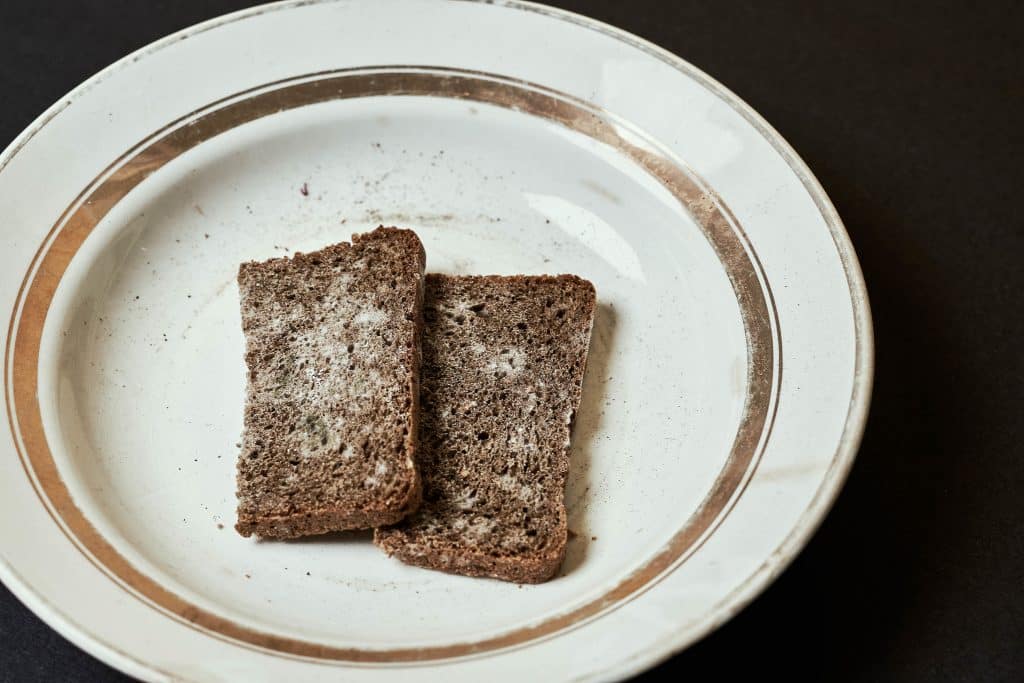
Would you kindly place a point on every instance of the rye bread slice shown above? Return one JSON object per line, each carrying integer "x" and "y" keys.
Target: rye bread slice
{"x": 331, "y": 415}
{"x": 503, "y": 362}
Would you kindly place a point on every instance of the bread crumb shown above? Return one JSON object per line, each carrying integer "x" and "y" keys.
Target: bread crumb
{"x": 219, "y": 525}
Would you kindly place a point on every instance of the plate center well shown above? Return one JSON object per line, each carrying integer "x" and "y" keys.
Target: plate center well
{"x": 141, "y": 376}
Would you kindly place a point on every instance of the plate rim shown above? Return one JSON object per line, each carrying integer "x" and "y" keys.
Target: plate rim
{"x": 840, "y": 465}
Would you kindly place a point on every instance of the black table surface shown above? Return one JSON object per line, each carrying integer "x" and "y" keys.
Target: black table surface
{"x": 911, "y": 116}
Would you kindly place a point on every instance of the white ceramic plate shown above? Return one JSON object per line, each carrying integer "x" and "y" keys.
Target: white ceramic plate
{"x": 725, "y": 393}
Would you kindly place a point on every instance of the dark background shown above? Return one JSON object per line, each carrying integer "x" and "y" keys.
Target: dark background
{"x": 911, "y": 117}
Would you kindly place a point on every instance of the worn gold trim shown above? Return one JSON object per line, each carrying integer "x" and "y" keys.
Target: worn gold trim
{"x": 68, "y": 234}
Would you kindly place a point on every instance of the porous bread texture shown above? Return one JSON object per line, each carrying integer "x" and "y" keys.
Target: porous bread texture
{"x": 332, "y": 398}
{"x": 503, "y": 364}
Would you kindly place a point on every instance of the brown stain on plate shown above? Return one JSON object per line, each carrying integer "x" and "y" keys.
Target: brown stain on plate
{"x": 69, "y": 233}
